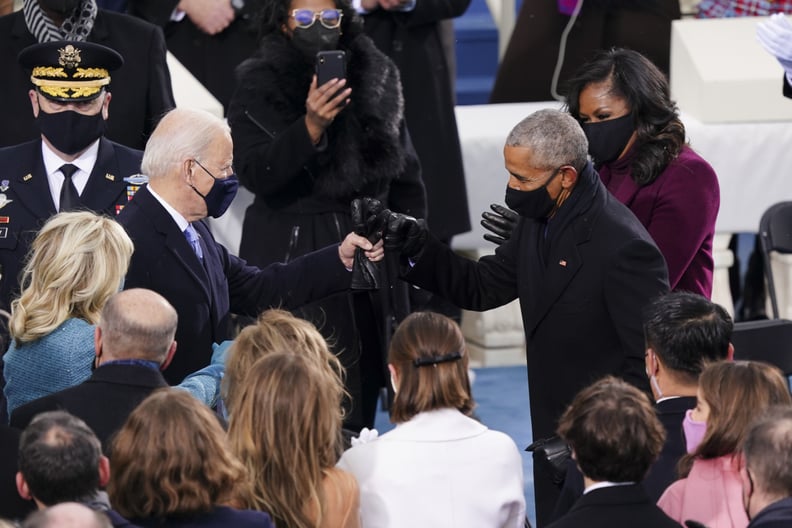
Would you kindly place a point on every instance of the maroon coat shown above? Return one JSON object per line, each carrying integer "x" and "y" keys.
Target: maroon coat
{"x": 679, "y": 210}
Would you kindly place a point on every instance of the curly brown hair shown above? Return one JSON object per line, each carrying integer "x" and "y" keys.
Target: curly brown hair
{"x": 171, "y": 457}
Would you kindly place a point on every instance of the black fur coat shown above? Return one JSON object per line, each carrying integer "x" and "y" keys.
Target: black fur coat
{"x": 363, "y": 151}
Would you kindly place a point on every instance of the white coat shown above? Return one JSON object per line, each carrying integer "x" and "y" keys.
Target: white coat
{"x": 440, "y": 469}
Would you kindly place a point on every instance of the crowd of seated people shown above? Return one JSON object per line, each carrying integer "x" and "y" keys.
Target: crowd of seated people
{"x": 280, "y": 460}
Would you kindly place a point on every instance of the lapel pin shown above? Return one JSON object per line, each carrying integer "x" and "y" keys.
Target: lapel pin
{"x": 562, "y": 263}
{"x": 4, "y": 200}
{"x": 110, "y": 177}
{"x": 4, "y": 185}
{"x": 27, "y": 176}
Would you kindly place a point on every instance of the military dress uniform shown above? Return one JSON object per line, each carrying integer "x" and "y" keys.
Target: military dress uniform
{"x": 61, "y": 72}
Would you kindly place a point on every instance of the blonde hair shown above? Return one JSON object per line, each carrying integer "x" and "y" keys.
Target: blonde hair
{"x": 76, "y": 262}
{"x": 171, "y": 457}
{"x": 275, "y": 331}
{"x": 429, "y": 353}
{"x": 286, "y": 429}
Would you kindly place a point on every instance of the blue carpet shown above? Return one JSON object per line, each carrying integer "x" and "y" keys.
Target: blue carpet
{"x": 501, "y": 395}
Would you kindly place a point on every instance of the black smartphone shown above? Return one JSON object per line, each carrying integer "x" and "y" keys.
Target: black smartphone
{"x": 330, "y": 65}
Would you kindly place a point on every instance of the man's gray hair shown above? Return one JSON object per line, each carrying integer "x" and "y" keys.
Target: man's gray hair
{"x": 182, "y": 134}
{"x": 555, "y": 138}
{"x": 768, "y": 451}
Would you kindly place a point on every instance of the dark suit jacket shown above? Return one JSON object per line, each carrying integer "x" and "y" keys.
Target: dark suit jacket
{"x": 103, "y": 401}
{"x": 141, "y": 87}
{"x": 11, "y": 504}
{"x": 614, "y": 507}
{"x": 776, "y": 515}
{"x": 24, "y": 175}
{"x": 663, "y": 471}
{"x": 210, "y": 58}
{"x": 413, "y": 40}
{"x": 581, "y": 310}
{"x": 205, "y": 295}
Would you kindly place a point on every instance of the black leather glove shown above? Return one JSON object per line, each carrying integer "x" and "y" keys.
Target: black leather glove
{"x": 405, "y": 234}
{"x": 367, "y": 221}
{"x": 501, "y": 222}
{"x": 366, "y": 218}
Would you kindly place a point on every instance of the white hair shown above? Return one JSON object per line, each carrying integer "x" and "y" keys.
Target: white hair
{"x": 183, "y": 133}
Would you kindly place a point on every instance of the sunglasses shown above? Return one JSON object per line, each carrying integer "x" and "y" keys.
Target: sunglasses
{"x": 329, "y": 18}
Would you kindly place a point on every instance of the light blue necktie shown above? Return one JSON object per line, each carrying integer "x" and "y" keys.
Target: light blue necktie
{"x": 192, "y": 238}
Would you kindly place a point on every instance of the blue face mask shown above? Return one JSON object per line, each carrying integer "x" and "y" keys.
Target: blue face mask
{"x": 220, "y": 196}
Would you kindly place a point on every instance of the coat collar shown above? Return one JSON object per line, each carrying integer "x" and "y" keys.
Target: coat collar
{"x": 614, "y": 495}
{"x": 563, "y": 259}
{"x": 439, "y": 425}
{"x": 174, "y": 240}
{"x": 128, "y": 375}
{"x": 105, "y": 183}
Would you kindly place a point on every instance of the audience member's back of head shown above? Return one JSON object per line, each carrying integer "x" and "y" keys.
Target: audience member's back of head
{"x": 736, "y": 392}
{"x": 286, "y": 428}
{"x": 430, "y": 360}
{"x": 613, "y": 431}
{"x": 67, "y": 515}
{"x": 768, "y": 452}
{"x": 137, "y": 324}
{"x": 275, "y": 331}
{"x": 59, "y": 457}
{"x": 171, "y": 458}
{"x": 685, "y": 330}
{"x": 76, "y": 262}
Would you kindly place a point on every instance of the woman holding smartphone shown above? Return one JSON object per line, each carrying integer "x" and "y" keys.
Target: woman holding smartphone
{"x": 307, "y": 150}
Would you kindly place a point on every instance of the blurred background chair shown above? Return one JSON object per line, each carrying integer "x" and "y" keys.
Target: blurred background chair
{"x": 769, "y": 341}
{"x": 775, "y": 237}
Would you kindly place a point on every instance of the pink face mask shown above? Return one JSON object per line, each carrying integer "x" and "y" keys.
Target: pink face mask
{"x": 694, "y": 431}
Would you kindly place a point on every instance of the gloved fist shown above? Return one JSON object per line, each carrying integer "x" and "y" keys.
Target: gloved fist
{"x": 502, "y": 222}
{"x": 775, "y": 36}
{"x": 366, "y": 218}
{"x": 405, "y": 234}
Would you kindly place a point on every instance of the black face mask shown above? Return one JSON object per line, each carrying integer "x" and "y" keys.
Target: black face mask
{"x": 533, "y": 204}
{"x": 607, "y": 139}
{"x": 61, "y": 7}
{"x": 69, "y": 131}
{"x": 314, "y": 39}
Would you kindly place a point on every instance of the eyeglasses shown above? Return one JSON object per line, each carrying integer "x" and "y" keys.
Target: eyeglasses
{"x": 329, "y": 18}
{"x": 231, "y": 169}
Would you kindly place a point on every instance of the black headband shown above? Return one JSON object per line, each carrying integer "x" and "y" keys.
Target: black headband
{"x": 420, "y": 362}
